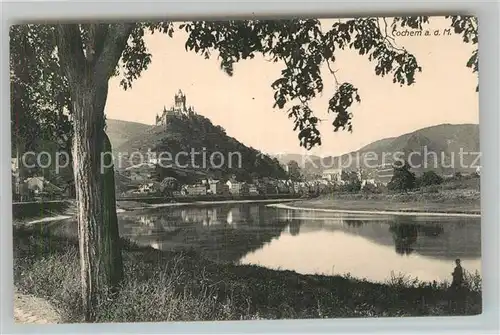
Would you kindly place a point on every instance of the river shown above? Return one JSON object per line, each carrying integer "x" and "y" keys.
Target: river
{"x": 371, "y": 246}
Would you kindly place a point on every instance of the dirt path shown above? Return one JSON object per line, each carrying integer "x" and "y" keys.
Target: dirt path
{"x": 32, "y": 310}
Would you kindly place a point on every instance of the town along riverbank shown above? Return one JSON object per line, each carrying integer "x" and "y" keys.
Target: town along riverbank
{"x": 185, "y": 286}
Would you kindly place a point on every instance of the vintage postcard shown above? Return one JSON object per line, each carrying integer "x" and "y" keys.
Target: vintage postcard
{"x": 245, "y": 170}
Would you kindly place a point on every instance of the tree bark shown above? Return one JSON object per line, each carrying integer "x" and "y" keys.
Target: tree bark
{"x": 93, "y": 224}
{"x": 100, "y": 254}
{"x": 111, "y": 241}
{"x": 100, "y": 251}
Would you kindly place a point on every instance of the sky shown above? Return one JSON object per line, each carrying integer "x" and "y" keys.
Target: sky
{"x": 444, "y": 92}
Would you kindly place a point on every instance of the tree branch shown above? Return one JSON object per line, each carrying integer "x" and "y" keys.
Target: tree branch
{"x": 70, "y": 50}
{"x": 112, "y": 48}
{"x": 389, "y": 38}
{"x": 101, "y": 33}
{"x": 94, "y": 35}
{"x": 333, "y": 73}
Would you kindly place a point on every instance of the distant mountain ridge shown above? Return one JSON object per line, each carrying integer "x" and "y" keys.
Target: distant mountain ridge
{"x": 445, "y": 140}
{"x": 120, "y": 131}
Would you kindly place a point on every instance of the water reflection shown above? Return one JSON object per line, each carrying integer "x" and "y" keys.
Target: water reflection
{"x": 294, "y": 228}
{"x": 373, "y": 246}
{"x": 354, "y": 223}
{"x": 404, "y": 235}
{"x": 223, "y": 233}
{"x": 368, "y": 246}
{"x": 406, "y": 232}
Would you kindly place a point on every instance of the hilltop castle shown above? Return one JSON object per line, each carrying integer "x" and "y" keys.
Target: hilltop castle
{"x": 179, "y": 108}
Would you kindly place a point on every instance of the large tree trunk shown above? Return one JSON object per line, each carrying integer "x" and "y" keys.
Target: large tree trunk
{"x": 88, "y": 74}
{"x": 100, "y": 255}
{"x": 112, "y": 244}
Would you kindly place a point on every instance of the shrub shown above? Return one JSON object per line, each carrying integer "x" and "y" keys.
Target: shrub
{"x": 371, "y": 188}
{"x": 403, "y": 179}
{"x": 430, "y": 178}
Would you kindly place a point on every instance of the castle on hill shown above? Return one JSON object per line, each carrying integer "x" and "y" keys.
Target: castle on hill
{"x": 179, "y": 108}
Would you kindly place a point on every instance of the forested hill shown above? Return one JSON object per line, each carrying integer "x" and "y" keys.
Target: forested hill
{"x": 187, "y": 133}
{"x": 445, "y": 140}
{"x": 120, "y": 131}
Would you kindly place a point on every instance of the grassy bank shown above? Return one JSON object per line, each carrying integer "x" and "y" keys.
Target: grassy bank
{"x": 174, "y": 286}
{"x": 31, "y": 210}
{"x": 450, "y": 197}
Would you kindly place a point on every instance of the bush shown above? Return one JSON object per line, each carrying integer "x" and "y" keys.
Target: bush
{"x": 371, "y": 188}
{"x": 403, "y": 179}
{"x": 430, "y": 178}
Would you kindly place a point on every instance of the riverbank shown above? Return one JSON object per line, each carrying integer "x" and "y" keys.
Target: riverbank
{"x": 135, "y": 205}
{"x": 184, "y": 286}
{"x": 55, "y": 209}
{"x": 449, "y": 202}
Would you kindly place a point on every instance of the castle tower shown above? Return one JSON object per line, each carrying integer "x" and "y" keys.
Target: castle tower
{"x": 180, "y": 102}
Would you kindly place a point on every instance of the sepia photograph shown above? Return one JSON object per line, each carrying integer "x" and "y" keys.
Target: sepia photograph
{"x": 258, "y": 169}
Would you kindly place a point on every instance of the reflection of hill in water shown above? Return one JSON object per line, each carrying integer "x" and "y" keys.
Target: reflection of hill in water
{"x": 224, "y": 233}
{"x": 436, "y": 237}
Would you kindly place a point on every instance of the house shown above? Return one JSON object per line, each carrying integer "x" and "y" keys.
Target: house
{"x": 333, "y": 175}
{"x": 370, "y": 181}
{"x": 384, "y": 173}
{"x": 35, "y": 184}
{"x": 237, "y": 188}
{"x": 298, "y": 187}
{"x": 39, "y": 185}
{"x": 164, "y": 162}
{"x": 283, "y": 187}
{"x": 322, "y": 187}
{"x": 217, "y": 187}
{"x": 136, "y": 176}
{"x": 195, "y": 189}
{"x": 266, "y": 188}
{"x": 148, "y": 188}
{"x": 286, "y": 182}
{"x": 230, "y": 183}
{"x": 14, "y": 165}
{"x": 252, "y": 189}
{"x": 140, "y": 172}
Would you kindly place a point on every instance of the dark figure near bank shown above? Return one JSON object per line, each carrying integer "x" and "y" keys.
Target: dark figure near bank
{"x": 457, "y": 292}
{"x": 458, "y": 275}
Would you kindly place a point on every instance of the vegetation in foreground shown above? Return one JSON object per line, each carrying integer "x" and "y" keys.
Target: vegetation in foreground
{"x": 161, "y": 286}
